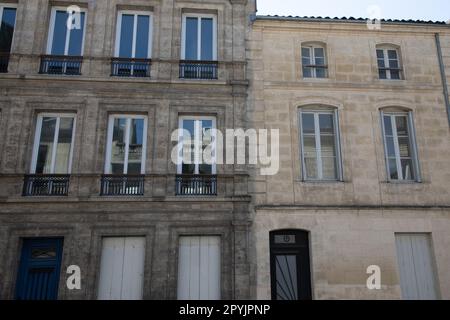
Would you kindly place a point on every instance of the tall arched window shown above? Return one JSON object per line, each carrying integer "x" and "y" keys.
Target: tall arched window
{"x": 314, "y": 60}
{"x": 320, "y": 147}
{"x": 400, "y": 145}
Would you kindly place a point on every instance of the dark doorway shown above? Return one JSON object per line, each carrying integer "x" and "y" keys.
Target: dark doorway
{"x": 290, "y": 265}
{"x": 39, "y": 270}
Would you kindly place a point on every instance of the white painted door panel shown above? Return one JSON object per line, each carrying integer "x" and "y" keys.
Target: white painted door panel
{"x": 122, "y": 269}
{"x": 199, "y": 268}
{"x": 416, "y": 266}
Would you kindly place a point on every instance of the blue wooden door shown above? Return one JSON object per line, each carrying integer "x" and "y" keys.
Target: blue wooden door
{"x": 39, "y": 270}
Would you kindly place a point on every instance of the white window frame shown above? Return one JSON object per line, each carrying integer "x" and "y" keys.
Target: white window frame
{"x": 119, "y": 31}
{"x": 9, "y": 6}
{"x": 37, "y": 140}
{"x": 387, "y": 63}
{"x": 128, "y": 117}
{"x": 413, "y": 145}
{"x": 199, "y": 34}
{"x": 52, "y": 31}
{"x": 197, "y": 143}
{"x": 317, "y": 113}
{"x": 312, "y": 57}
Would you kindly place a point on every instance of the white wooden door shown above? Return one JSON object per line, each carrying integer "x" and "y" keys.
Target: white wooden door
{"x": 199, "y": 268}
{"x": 122, "y": 269}
{"x": 416, "y": 267}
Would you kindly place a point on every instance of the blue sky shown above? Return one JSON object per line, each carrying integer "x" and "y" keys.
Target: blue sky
{"x": 390, "y": 9}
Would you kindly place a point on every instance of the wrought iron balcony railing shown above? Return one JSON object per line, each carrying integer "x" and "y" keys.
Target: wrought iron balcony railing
{"x": 65, "y": 65}
{"x": 36, "y": 185}
{"x": 196, "y": 185}
{"x": 125, "y": 67}
{"x": 194, "y": 69}
{"x": 4, "y": 62}
{"x": 122, "y": 185}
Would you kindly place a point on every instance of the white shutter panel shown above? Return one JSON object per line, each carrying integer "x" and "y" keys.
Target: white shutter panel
{"x": 122, "y": 269}
{"x": 416, "y": 267}
{"x": 199, "y": 268}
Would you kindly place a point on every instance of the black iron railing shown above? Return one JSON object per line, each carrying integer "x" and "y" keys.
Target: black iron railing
{"x": 122, "y": 185}
{"x": 66, "y": 65}
{"x": 4, "y": 62}
{"x": 36, "y": 185}
{"x": 196, "y": 185}
{"x": 194, "y": 69}
{"x": 125, "y": 67}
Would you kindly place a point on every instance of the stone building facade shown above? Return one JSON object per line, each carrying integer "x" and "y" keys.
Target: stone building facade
{"x": 154, "y": 208}
{"x": 352, "y": 212}
{"x": 87, "y": 180}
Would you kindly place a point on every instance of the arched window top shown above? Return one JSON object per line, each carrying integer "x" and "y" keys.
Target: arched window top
{"x": 395, "y": 109}
{"x": 386, "y": 45}
{"x": 318, "y": 107}
{"x": 314, "y": 44}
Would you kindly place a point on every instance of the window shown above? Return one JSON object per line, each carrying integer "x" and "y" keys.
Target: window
{"x": 195, "y": 145}
{"x": 389, "y": 63}
{"x": 133, "y": 44}
{"x": 320, "y": 144}
{"x": 64, "y": 41}
{"x": 127, "y": 140}
{"x": 7, "y": 24}
{"x": 199, "y": 38}
{"x": 314, "y": 61}
{"x": 53, "y": 146}
{"x": 65, "y": 44}
{"x": 196, "y": 163}
{"x": 400, "y": 146}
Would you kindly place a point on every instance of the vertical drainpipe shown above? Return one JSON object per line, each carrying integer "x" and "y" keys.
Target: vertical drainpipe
{"x": 443, "y": 75}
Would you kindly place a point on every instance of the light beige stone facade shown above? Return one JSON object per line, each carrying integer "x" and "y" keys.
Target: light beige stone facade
{"x": 352, "y": 224}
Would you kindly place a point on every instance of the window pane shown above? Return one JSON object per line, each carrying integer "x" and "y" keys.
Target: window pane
{"x": 326, "y": 123}
{"x": 143, "y": 30}
{"x": 311, "y": 168}
{"x": 407, "y": 169}
{"x": 136, "y": 146}
{"x": 381, "y": 63}
{"x": 392, "y": 54}
{"x": 59, "y": 33}
{"x": 390, "y": 146}
{"x": 403, "y": 144}
{"x": 308, "y": 123}
{"x": 395, "y": 75}
{"x": 191, "y": 39}
{"x": 44, "y": 158}
{"x": 319, "y": 53}
{"x": 76, "y": 38}
{"x": 328, "y": 148}
{"x": 126, "y": 36}
{"x": 189, "y": 147}
{"x": 64, "y": 146}
{"x": 206, "y": 138}
{"x": 402, "y": 125}
{"x": 393, "y": 64}
{"x": 321, "y": 73}
{"x": 307, "y": 72}
{"x": 383, "y": 74}
{"x": 388, "y": 125}
{"x": 207, "y": 39}
{"x": 393, "y": 169}
{"x": 380, "y": 54}
{"x": 309, "y": 146}
{"x": 306, "y": 55}
{"x": 329, "y": 168}
{"x": 118, "y": 146}
{"x": 7, "y": 29}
